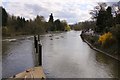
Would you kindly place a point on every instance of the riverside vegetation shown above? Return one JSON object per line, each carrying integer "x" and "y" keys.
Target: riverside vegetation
{"x": 104, "y": 31}
{"x": 16, "y": 25}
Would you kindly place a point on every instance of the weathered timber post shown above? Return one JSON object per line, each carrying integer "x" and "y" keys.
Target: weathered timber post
{"x": 38, "y": 49}
{"x": 38, "y": 38}
{"x": 40, "y": 54}
{"x": 36, "y": 44}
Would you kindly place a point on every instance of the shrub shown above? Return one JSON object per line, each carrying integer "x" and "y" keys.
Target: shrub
{"x": 67, "y": 28}
{"x": 77, "y": 28}
{"x": 116, "y": 32}
{"x": 4, "y": 30}
{"x": 106, "y": 39}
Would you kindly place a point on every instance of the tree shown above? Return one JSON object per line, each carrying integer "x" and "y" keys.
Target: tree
{"x": 51, "y": 20}
{"x": 103, "y": 17}
{"x": 67, "y": 28}
{"x": 116, "y": 32}
{"x": 0, "y": 16}
{"x": 19, "y": 23}
{"x": 109, "y": 18}
{"x": 64, "y": 25}
{"x": 101, "y": 20}
{"x": 116, "y": 9}
{"x": 4, "y": 16}
{"x": 4, "y": 31}
{"x": 117, "y": 19}
{"x": 95, "y": 11}
{"x": 40, "y": 19}
{"x": 59, "y": 26}
{"x": 39, "y": 24}
{"x": 99, "y": 15}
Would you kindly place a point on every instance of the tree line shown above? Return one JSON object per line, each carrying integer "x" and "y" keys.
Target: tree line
{"x": 105, "y": 23}
{"x": 16, "y": 25}
{"x": 104, "y": 19}
{"x": 107, "y": 19}
{"x": 86, "y": 25}
{"x": 103, "y": 31}
{"x": 57, "y": 24}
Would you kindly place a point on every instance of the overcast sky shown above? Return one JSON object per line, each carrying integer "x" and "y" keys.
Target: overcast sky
{"x": 71, "y": 10}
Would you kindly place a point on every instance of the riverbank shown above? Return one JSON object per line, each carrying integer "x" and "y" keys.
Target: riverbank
{"x": 92, "y": 42}
{"x": 21, "y": 35}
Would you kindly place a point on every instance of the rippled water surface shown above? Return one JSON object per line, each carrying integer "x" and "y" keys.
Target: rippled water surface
{"x": 65, "y": 55}
{"x": 17, "y": 56}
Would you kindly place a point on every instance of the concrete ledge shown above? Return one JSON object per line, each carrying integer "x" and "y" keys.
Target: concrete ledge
{"x": 36, "y": 72}
{"x": 96, "y": 49}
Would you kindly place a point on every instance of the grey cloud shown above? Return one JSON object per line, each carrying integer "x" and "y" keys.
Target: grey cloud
{"x": 37, "y": 9}
{"x": 62, "y": 11}
{"x": 65, "y": 13}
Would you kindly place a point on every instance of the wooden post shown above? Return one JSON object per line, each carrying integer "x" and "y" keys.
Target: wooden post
{"x": 38, "y": 38}
{"x": 36, "y": 44}
{"x": 40, "y": 54}
{"x": 35, "y": 41}
{"x": 38, "y": 47}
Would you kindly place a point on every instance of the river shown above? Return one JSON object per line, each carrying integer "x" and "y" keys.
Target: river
{"x": 65, "y": 55}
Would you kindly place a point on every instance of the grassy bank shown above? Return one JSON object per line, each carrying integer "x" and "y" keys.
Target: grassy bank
{"x": 92, "y": 41}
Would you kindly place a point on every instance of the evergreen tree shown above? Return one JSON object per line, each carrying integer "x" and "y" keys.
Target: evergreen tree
{"x": 51, "y": 18}
{"x": 57, "y": 25}
{"x": 117, "y": 19}
{"x": 0, "y": 16}
{"x": 4, "y": 16}
{"x": 101, "y": 21}
{"x": 109, "y": 18}
{"x": 104, "y": 20}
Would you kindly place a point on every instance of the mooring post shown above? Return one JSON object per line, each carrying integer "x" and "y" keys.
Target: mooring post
{"x": 38, "y": 38}
{"x": 36, "y": 44}
{"x": 38, "y": 48}
{"x": 35, "y": 41}
{"x": 40, "y": 54}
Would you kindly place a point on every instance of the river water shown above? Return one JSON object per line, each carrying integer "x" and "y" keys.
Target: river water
{"x": 65, "y": 55}
{"x": 17, "y": 55}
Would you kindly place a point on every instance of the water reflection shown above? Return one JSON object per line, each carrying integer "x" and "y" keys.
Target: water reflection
{"x": 109, "y": 63}
{"x": 65, "y": 56}
{"x": 70, "y": 57}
